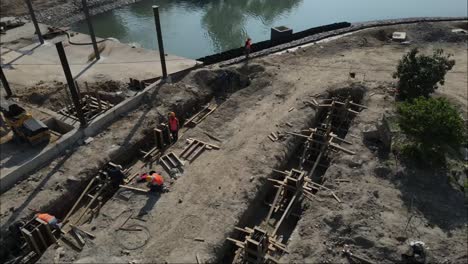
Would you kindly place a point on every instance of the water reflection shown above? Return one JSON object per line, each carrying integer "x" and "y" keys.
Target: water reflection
{"x": 196, "y": 28}
{"x": 225, "y": 21}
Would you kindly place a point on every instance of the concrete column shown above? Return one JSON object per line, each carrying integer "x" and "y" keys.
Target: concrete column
{"x": 160, "y": 41}
{"x": 91, "y": 29}
{"x": 34, "y": 20}
{"x": 71, "y": 83}
{"x": 5, "y": 84}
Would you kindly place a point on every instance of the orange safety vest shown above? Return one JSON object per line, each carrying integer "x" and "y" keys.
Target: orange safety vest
{"x": 45, "y": 217}
{"x": 156, "y": 179}
{"x": 173, "y": 123}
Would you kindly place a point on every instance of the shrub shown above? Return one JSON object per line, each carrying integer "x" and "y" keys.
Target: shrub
{"x": 419, "y": 75}
{"x": 432, "y": 124}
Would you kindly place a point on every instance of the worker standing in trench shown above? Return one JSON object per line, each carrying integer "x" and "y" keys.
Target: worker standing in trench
{"x": 174, "y": 126}
{"x": 247, "y": 47}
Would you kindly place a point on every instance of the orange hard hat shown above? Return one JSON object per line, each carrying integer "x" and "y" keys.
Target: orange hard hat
{"x": 172, "y": 114}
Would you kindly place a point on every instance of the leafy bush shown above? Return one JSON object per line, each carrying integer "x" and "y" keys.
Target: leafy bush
{"x": 419, "y": 74}
{"x": 432, "y": 125}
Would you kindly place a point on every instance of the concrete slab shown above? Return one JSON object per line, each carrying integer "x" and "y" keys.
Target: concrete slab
{"x": 118, "y": 61}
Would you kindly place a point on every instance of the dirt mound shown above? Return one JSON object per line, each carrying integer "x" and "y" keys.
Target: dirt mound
{"x": 55, "y": 95}
{"x": 353, "y": 91}
{"x": 383, "y": 34}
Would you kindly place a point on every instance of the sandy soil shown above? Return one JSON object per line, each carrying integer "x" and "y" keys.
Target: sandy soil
{"x": 386, "y": 204}
{"x": 215, "y": 191}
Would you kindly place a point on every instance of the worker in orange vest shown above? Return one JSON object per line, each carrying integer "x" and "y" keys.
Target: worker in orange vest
{"x": 50, "y": 219}
{"x": 174, "y": 126}
{"x": 247, "y": 47}
{"x": 155, "y": 180}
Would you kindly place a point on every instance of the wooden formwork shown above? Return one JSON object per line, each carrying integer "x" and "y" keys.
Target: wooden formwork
{"x": 38, "y": 235}
{"x": 341, "y": 111}
{"x": 257, "y": 247}
{"x": 92, "y": 106}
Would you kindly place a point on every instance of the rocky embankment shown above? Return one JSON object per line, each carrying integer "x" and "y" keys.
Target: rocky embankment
{"x": 70, "y": 11}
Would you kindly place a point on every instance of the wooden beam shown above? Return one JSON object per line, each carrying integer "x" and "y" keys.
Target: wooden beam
{"x": 79, "y": 200}
{"x": 134, "y": 188}
{"x": 286, "y": 212}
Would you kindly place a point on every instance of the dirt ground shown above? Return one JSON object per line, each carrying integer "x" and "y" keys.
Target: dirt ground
{"x": 217, "y": 189}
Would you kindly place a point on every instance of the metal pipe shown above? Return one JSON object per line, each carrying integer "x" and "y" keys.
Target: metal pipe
{"x": 160, "y": 41}
{"x": 5, "y": 84}
{"x": 71, "y": 83}
{"x": 91, "y": 29}
{"x": 34, "y": 20}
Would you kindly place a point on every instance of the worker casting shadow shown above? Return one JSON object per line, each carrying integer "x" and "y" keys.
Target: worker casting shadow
{"x": 153, "y": 197}
{"x": 37, "y": 189}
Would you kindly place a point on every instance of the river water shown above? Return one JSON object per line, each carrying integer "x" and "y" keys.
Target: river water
{"x": 196, "y": 28}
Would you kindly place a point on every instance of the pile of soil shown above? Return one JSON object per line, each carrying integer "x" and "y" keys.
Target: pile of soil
{"x": 55, "y": 95}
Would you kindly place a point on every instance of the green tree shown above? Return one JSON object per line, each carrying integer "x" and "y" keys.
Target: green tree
{"x": 419, "y": 75}
{"x": 432, "y": 124}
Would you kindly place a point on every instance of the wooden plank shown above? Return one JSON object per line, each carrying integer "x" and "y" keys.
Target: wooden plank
{"x": 347, "y": 151}
{"x": 79, "y": 199}
{"x": 177, "y": 158}
{"x": 286, "y": 212}
{"x": 164, "y": 164}
{"x": 211, "y": 145}
{"x": 188, "y": 149}
{"x": 92, "y": 201}
{"x": 273, "y": 204}
{"x": 30, "y": 240}
{"x": 78, "y": 237}
{"x": 83, "y": 231}
{"x": 134, "y": 188}
{"x": 196, "y": 153}
{"x": 70, "y": 243}
{"x": 212, "y": 137}
{"x": 209, "y": 113}
{"x": 128, "y": 180}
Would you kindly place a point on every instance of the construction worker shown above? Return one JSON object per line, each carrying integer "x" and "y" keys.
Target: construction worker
{"x": 155, "y": 181}
{"x": 116, "y": 175}
{"x": 247, "y": 47}
{"x": 50, "y": 219}
{"x": 174, "y": 126}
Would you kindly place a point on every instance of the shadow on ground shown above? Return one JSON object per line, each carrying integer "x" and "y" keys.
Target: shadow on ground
{"x": 429, "y": 192}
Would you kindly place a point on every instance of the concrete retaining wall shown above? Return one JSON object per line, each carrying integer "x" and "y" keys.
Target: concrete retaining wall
{"x": 353, "y": 28}
{"x": 68, "y": 140}
{"x": 262, "y": 45}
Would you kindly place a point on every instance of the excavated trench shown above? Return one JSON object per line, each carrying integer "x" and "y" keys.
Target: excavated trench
{"x": 257, "y": 211}
{"x": 127, "y": 155}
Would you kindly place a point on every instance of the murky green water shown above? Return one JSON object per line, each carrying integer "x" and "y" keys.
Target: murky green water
{"x": 195, "y": 28}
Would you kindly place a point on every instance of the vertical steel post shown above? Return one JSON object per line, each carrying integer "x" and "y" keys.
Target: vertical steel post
{"x": 71, "y": 83}
{"x": 91, "y": 29}
{"x": 160, "y": 41}
{"x": 5, "y": 84}
{"x": 34, "y": 20}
